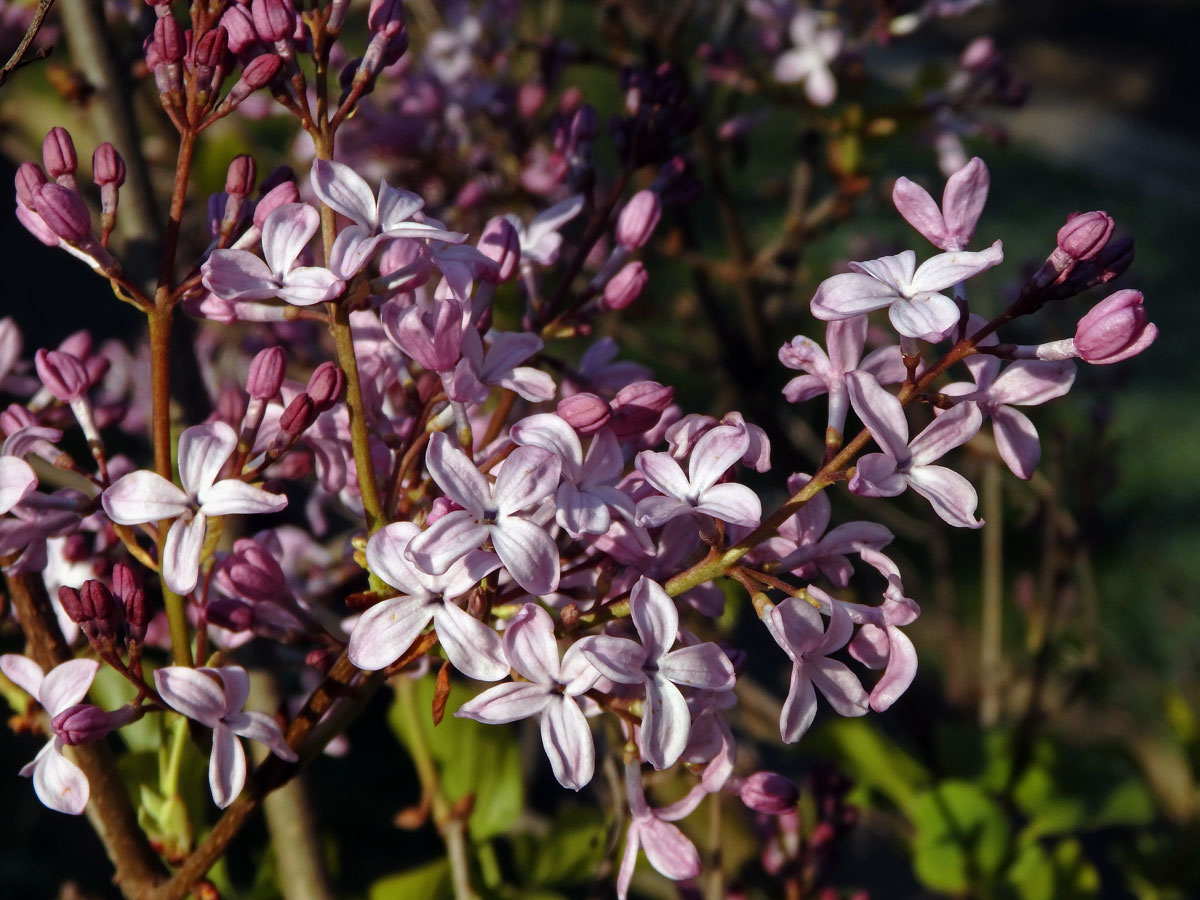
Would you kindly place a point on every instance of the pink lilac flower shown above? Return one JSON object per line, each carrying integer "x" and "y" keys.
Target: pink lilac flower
{"x": 548, "y": 692}
{"x": 813, "y": 48}
{"x": 214, "y": 698}
{"x": 797, "y": 627}
{"x": 826, "y": 372}
{"x": 540, "y": 240}
{"x": 697, "y": 492}
{"x": 58, "y": 782}
{"x": 880, "y": 643}
{"x": 239, "y": 275}
{"x": 586, "y": 493}
{"x": 912, "y": 296}
{"x": 951, "y": 227}
{"x": 387, "y": 629}
{"x": 903, "y": 464}
{"x": 683, "y": 434}
{"x": 666, "y": 721}
{"x": 491, "y": 513}
{"x": 145, "y": 496}
{"x": 667, "y": 848}
{"x": 498, "y": 366}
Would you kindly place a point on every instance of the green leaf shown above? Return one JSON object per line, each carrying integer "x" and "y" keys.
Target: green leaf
{"x": 472, "y": 759}
{"x": 428, "y": 882}
{"x": 571, "y": 851}
{"x": 868, "y": 757}
{"x": 1058, "y": 873}
{"x": 961, "y": 836}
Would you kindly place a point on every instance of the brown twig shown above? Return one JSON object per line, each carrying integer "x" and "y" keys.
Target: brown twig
{"x": 17, "y": 59}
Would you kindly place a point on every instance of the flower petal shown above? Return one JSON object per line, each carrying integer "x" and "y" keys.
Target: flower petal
{"x": 230, "y": 496}
{"x": 471, "y": 646}
{"x": 1016, "y": 441}
{"x": 714, "y": 454}
{"x": 285, "y": 233}
{"x": 800, "y": 708}
{"x": 663, "y": 473}
{"x": 143, "y": 496}
{"x": 203, "y": 450}
{"x": 17, "y": 481}
{"x": 192, "y": 693}
{"x": 23, "y": 672}
{"x": 851, "y": 294}
{"x": 306, "y": 285}
{"x": 59, "y": 783}
{"x": 618, "y": 659}
{"x": 67, "y": 684}
{"x": 881, "y": 413}
{"x": 526, "y": 477}
{"x": 952, "y": 496}
{"x": 258, "y": 726}
{"x": 181, "y": 553}
{"x": 949, "y": 430}
{"x": 702, "y": 666}
{"x": 655, "y": 616}
{"x": 446, "y": 541}
{"x": 733, "y": 503}
{"x": 507, "y": 703}
{"x": 530, "y": 646}
{"x": 455, "y": 474}
{"x": 344, "y": 190}
{"x": 940, "y": 272}
{"x": 387, "y": 629}
{"x": 226, "y": 766}
{"x": 920, "y": 211}
{"x": 238, "y": 275}
{"x": 529, "y": 554}
{"x": 666, "y": 722}
{"x": 669, "y": 851}
{"x": 568, "y": 742}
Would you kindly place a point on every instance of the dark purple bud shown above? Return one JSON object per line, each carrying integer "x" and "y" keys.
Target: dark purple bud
{"x": 107, "y": 166}
{"x": 285, "y": 192}
{"x": 584, "y": 125}
{"x": 58, "y": 153}
{"x": 501, "y": 244}
{"x": 298, "y": 416}
{"x": 638, "y": 219}
{"x": 325, "y": 385}
{"x": 770, "y": 793}
{"x": 76, "y": 548}
{"x": 261, "y": 71}
{"x": 63, "y": 375}
{"x": 638, "y": 407}
{"x": 266, "y": 373}
{"x": 386, "y": 17}
{"x": 82, "y": 723}
{"x": 1114, "y": 260}
{"x": 64, "y": 212}
{"x": 72, "y": 605}
{"x": 1085, "y": 234}
{"x": 239, "y": 180}
{"x": 29, "y": 180}
{"x": 227, "y": 613}
{"x": 127, "y": 587}
{"x": 273, "y": 19}
{"x": 626, "y": 286}
{"x": 253, "y": 573}
{"x": 213, "y": 49}
{"x": 586, "y": 413}
{"x": 107, "y": 614}
{"x": 169, "y": 39}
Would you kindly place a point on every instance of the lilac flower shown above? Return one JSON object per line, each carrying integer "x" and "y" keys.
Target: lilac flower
{"x": 17, "y": 481}
{"x": 667, "y": 848}
{"x": 387, "y": 629}
{"x": 912, "y": 295}
{"x": 796, "y": 627}
{"x": 214, "y": 698}
{"x": 902, "y": 464}
{"x": 491, "y": 513}
{"x": 826, "y": 373}
{"x": 880, "y": 642}
{"x": 951, "y": 227}
{"x": 683, "y": 435}
{"x": 548, "y": 692}
{"x": 698, "y": 491}
{"x": 375, "y": 218}
{"x": 58, "y": 782}
{"x": 586, "y": 492}
{"x": 1024, "y": 383}
{"x": 239, "y": 275}
{"x": 145, "y": 496}
{"x": 666, "y": 721}
{"x": 499, "y": 367}
{"x": 808, "y": 60}
{"x": 540, "y": 241}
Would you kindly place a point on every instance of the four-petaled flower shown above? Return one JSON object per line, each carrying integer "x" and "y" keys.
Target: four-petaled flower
{"x": 697, "y": 491}
{"x": 145, "y": 496}
{"x": 813, "y": 48}
{"x": 214, "y": 698}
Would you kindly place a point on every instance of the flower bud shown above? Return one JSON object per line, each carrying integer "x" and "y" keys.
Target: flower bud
{"x": 258, "y": 73}
{"x": 1114, "y": 260}
{"x": 72, "y": 604}
{"x": 637, "y": 407}
{"x": 239, "y": 26}
{"x": 63, "y": 375}
{"x": 210, "y": 58}
{"x": 501, "y": 244}
{"x": 239, "y": 179}
{"x": 107, "y": 166}
{"x": 273, "y": 19}
{"x": 1115, "y": 329}
{"x": 29, "y": 180}
{"x": 626, "y": 286}
{"x": 82, "y": 723}
{"x": 252, "y": 573}
{"x": 58, "y": 153}
{"x": 769, "y": 792}
{"x": 584, "y": 412}
{"x": 225, "y": 612}
{"x": 64, "y": 212}
{"x": 325, "y": 385}
{"x": 16, "y": 417}
{"x": 106, "y": 614}
{"x": 638, "y": 219}
{"x": 584, "y": 125}
{"x": 1085, "y": 234}
{"x": 266, "y": 373}
{"x": 169, "y": 39}
{"x": 298, "y": 416}
{"x": 271, "y": 200}
{"x": 127, "y": 587}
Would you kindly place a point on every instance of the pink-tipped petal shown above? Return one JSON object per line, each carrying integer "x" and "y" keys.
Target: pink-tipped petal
{"x": 963, "y": 201}
{"x": 663, "y": 473}
{"x": 920, "y": 211}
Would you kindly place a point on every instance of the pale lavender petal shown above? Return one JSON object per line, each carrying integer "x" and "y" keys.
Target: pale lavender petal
{"x": 733, "y": 503}
{"x": 894, "y": 271}
{"x": 663, "y": 473}
{"x": 795, "y": 625}
{"x": 881, "y": 413}
{"x": 59, "y": 783}
{"x": 604, "y": 460}
{"x": 238, "y": 275}
{"x": 876, "y": 476}
{"x": 532, "y": 384}
{"x": 230, "y": 496}
{"x": 508, "y": 703}
{"x": 285, "y": 233}
{"x": 464, "y": 574}
{"x": 800, "y": 708}
{"x": 1030, "y": 382}
{"x": 226, "y": 766}
{"x": 528, "y": 475}
{"x": 344, "y": 190}
{"x": 952, "y": 496}
{"x": 541, "y": 240}
{"x": 807, "y": 355}
{"x": 927, "y": 316}
{"x": 143, "y": 496}
{"x": 870, "y": 646}
{"x": 352, "y": 248}
{"x": 669, "y": 851}
{"x": 581, "y": 513}
{"x": 508, "y": 349}
{"x": 530, "y": 646}
{"x": 716, "y": 451}
{"x": 258, "y": 726}
{"x": 66, "y": 684}
{"x": 666, "y": 722}
{"x": 551, "y": 433}
{"x": 804, "y": 387}
{"x": 529, "y": 554}
{"x": 396, "y": 206}
{"x": 920, "y": 211}
{"x": 795, "y": 65}
{"x": 387, "y": 629}
{"x": 629, "y": 857}
{"x": 901, "y": 670}
{"x": 845, "y": 339}
{"x": 17, "y": 481}
{"x": 191, "y": 693}
{"x": 851, "y": 294}
{"x": 236, "y": 683}
{"x": 471, "y": 646}
{"x": 456, "y": 474}
{"x": 23, "y": 672}
{"x": 1016, "y": 441}
{"x": 886, "y": 364}
{"x": 568, "y": 743}
{"x": 203, "y": 450}
{"x": 654, "y": 511}
{"x": 655, "y": 616}
{"x": 820, "y": 87}
{"x": 181, "y": 553}
{"x": 701, "y": 665}
{"x": 963, "y": 200}
{"x": 941, "y": 271}
{"x": 949, "y": 430}
{"x": 840, "y": 686}
{"x": 386, "y": 558}
{"x": 447, "y": 540}
{"x": 618, "y": 659}
{"x": 307, "y": 285}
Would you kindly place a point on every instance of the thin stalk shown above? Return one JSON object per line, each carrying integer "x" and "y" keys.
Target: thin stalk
{"x": 991, "y": 595}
